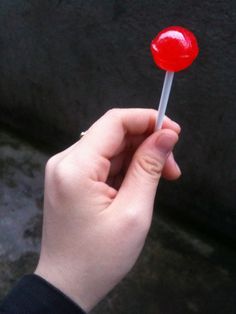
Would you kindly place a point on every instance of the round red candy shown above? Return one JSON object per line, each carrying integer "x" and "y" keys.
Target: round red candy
{"x": 174, "y": 48}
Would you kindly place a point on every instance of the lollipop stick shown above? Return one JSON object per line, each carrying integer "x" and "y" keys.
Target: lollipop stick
{"x": 164, "y": 99}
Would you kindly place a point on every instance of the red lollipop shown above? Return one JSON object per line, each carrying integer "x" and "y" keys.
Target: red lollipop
{"x": 173, "y": 50}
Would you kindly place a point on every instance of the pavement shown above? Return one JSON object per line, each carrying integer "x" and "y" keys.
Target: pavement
{"x": 179, "y": 271}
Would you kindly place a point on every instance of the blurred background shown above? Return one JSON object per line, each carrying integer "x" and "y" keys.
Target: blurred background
{"x": 63, "y": 63}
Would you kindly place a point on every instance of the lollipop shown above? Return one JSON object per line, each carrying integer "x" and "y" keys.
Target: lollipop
{"x": 173, "y": 50}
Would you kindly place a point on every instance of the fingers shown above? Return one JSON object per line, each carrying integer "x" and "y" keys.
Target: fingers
{"x": 172, "y": 125}
{"x": 171, "y": 170}
{"x": 140, "y": 183}
{"x": 107, "y": 135}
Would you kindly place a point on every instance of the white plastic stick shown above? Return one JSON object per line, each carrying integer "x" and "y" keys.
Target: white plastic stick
{"x": 164, "y": 99}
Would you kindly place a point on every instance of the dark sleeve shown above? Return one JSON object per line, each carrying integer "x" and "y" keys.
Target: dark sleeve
{"x": 34, "y": 295}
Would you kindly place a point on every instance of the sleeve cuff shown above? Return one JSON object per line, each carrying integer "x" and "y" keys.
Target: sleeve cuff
{"x": 33, "y": 294}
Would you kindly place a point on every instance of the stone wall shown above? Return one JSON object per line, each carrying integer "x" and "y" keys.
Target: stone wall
{"x": 64, "y": 63}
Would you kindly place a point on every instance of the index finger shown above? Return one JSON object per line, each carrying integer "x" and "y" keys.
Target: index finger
{"x": 107, "y": 135}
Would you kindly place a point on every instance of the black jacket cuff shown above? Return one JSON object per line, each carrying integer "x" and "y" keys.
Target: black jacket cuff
{"x": 34, "y": 295}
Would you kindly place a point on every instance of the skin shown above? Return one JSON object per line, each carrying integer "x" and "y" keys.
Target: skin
{"x": 99, "y": 196}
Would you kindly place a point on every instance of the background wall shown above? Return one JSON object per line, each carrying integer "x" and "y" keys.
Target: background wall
{"x": 64, "y": 63}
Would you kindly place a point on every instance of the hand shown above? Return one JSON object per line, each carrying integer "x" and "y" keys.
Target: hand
{"x": 99, "y": 196}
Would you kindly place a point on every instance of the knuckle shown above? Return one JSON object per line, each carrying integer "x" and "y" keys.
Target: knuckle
{"x": 63, "y": 180}
{"x": 50, "y": 164}
{"x": 56, "y": 172}
{"x": 60, "y": 173}
{"x": 53, "y": 161}
{"x": 55, "y": 180}
{"x": 114, "y": 112}
{"x": 136, "y": 222}
{"x": 151, "y": 165}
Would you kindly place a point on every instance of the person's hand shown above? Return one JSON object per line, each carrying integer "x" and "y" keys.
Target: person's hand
{"x": 99, "y": 196}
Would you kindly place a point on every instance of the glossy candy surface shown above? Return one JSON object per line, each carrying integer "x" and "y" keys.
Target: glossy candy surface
{"x": 174, "y": 48}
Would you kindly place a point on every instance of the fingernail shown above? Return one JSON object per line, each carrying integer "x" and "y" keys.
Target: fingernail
{"x": 165, "y": 143}
{"x": 178, "y": 168}
{"x": 177, "y": 126}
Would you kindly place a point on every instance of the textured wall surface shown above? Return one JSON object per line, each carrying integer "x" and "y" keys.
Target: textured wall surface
{"x": 64, "y": 63}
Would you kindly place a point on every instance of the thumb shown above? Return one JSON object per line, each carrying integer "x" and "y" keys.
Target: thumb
{"x": 142, "y": 178}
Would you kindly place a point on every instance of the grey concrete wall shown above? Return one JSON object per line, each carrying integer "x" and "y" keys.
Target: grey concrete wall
{"x": 64, "y": 63}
